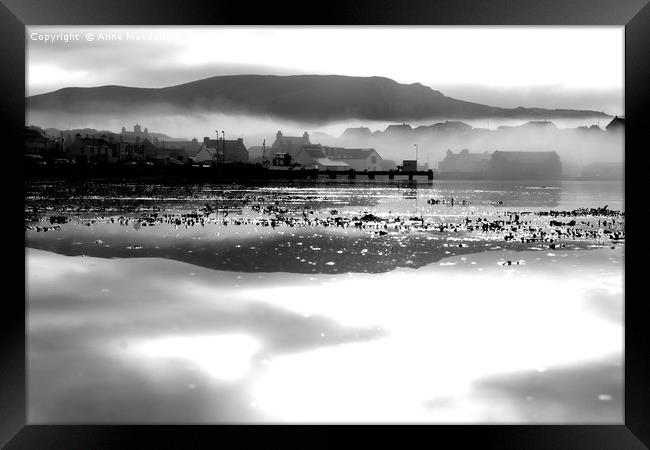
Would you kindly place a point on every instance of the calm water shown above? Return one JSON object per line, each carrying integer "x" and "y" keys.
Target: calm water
{"x": 232, "y": 321}
{"x": 397, "y": 196}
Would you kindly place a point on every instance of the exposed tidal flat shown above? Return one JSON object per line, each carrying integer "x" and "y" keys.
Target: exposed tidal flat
{"x": 138, "y": 312}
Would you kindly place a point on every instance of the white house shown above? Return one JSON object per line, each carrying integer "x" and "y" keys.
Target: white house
{"x": 313, "y": 157}
{"x": 356, "y": 158}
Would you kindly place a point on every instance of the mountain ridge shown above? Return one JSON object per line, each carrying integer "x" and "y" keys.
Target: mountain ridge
{"x": 307, "y": 98}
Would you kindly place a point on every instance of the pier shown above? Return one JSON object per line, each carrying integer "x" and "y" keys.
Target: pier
{"x": 217, "y": 173}
{"x": 350, "y": 174}
{"x": 353, "y": 174}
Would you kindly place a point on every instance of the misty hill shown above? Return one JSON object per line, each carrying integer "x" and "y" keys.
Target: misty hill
{"x": 303, "y": 98}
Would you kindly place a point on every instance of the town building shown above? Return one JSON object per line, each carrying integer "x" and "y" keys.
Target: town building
{"x": 617, "y": 124}
{"x": 93, "y": 149}
{"x": 358, "y": 134}
{"x": 220, "y": 151}
{"x": 38, "y": 143}
{"x": 191, "y": 147}
{"x": 356, "y": 158}
{"x": 170, "y": 155}
{"x": 524, "y": 165}
{"x": 448, "y": 126}
{"x": 464, "y": 164}
{"x": 256, "y": 154}
{"x": 105, "y": 149}
{"x": 130, "y": 136}
{"x": 590, "y": 129}
{"x": 409, "y": 165}
{"x": 304, "y": 153}
{"x": 171, "y": 151}
{"x": 399, "y": 130}
{"x": 281, "y": 161}
{"x": 289, "y": 144}
{"x": 133, "y": 151}
{"x": 538, "y": 125}
{"x": 313, "y": 157}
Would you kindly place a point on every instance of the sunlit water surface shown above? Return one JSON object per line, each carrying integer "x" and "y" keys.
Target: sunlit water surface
{"x": 462, "y": 339}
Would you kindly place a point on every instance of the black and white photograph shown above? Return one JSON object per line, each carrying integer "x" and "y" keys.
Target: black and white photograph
{"x": 324, "y": 224}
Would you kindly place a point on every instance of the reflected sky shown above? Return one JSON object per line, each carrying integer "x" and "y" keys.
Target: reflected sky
{"x": 146, "y": 340}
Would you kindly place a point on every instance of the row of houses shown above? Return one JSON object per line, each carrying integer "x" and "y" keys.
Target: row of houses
{"x": 140, "y": 146}
{"x": 287, "y": 151}
{"x": 501, "y": 165}
{"x": 105, "y": 149}
{"x": 405, "y": 130}
{"x": 38, "y": 143}
{"x": 136, "y": 145}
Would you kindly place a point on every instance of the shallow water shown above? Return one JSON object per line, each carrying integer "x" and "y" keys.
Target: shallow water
{"x": 170, "y": 331}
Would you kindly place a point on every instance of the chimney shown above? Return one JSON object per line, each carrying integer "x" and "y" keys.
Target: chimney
{"x": 206, "y": 139}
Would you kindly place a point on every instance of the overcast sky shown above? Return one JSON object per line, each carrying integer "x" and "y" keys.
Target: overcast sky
{"x": 551, "y": 67}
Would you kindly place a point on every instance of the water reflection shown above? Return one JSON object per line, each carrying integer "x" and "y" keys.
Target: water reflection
{"x": 289, "y": 328}
{"x": 225, "y": 357}
{"x": 591, "y": 392}
{"x": 149, "y": 340}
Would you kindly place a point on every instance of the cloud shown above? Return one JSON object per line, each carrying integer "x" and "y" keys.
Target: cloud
{"x": 560, "y": 67}
{"x": 556, "y": 96}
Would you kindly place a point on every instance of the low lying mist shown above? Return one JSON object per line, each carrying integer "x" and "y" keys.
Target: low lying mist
{"x": 576, "y": 144}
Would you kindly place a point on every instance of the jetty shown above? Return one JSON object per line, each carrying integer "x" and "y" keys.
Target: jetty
{"x": 218, "y": 172}
{"x": 349, "y": 174}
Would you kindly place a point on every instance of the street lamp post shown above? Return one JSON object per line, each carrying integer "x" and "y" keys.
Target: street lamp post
{"x": 416, "y": 156}
{"x": 223, "y": 146}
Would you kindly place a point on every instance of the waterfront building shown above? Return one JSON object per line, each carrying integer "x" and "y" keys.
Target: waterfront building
{"x": 617, "y": 124}
{"x": 464, "y": 164}
{"x": 220, "y": 151}
{"x": 356, "y": 158}
{"x": 313, "y": 157}
{"x": 289, "y": 144}
{"x": 524, "y": 165}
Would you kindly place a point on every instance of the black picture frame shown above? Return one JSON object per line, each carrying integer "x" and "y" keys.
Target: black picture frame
{"x": 634, "y": 433}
